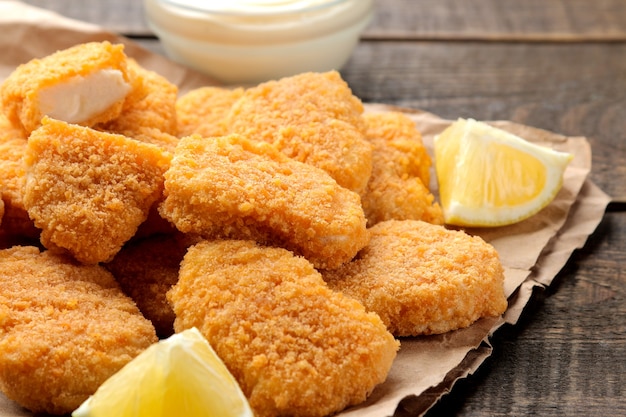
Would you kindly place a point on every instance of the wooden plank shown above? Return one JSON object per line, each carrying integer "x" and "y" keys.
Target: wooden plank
{"x": 528, "y": 20}
{"x": 119, "y": 16}
{"x": 500, "y": 20}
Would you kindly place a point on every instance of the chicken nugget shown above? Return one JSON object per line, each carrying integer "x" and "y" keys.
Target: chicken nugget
{"x": 398, "y": 186}
{"x": 234, "y": 187}
{"x": 311, "y": 117}
{"x": 423, "y": 279}
{"x": 146, "y": 269}
{"x": 396, "y": 130}
{"x": 64, "y": 329}
{"x": 13, "y": 142}
{"x": 295, "y": 347}
{"x": 149, "y": 111}
{"x": 88, "y": 190}
{"x": 203, "y": 110}
{"x": 85, "y": 84}
{"x": 157, "y": 137}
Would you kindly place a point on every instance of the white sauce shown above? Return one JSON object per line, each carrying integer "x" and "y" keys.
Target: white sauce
{"x": 253, "y": 6}
{"x": 81, "y": 98}
{"x": 255, "y": 22}
{"x": 249, "y": 41}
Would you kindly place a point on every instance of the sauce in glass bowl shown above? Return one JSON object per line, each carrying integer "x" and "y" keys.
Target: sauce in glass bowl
{"x": 251, "y": 41}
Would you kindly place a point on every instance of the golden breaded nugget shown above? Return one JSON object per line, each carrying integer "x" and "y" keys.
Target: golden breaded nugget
{"x": 398, "y": 186}
{"x": 392, "y": 130}
{"x": 64, "y": 329}
{"x": 151, "y": 103}
{"x": 311, "y": 117}
{"x": 421, "y": 278}
{"x": 203, "y": 111}
{"x": 234, "y": 187}
{"x": 88, "y": 190}
{"x": 13, "y": 142}
{"x": 85, "y": 84}
{"x": 146, "y": 269}
{"x": 149, "y": 112}
{"x": 295, "y": 347}
{"x": 154, "y": 136}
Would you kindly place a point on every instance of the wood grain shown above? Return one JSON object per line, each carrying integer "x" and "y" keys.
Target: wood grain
{"x": 500, "y": 20}
{"x": 121, "y": 16}
{"x": 528, "y": 20}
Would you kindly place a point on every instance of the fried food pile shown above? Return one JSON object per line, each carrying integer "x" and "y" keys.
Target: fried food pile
{"x": 295, "y": 231}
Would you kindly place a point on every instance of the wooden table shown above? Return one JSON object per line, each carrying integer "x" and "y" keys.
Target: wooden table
{"x": 559, "y": 65}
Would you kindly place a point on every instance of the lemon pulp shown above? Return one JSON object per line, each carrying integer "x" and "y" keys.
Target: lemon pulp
{"x": 178, "y": 376}
{"x": 489, "y": 177}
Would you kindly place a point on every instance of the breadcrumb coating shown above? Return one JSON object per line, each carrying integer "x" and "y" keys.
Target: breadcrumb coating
{"x": 310, "y": 117}
{"x": 149, "y": 112}
{"x": 396, "y": 130}
{"x": 20, "y": 92}
{"x": 203, "y": 111}
{"x": 13, "y": 143}
{"x": 146, "y": 270}
{"x": 84, "y": 187}
{"x": 398, "y": 186}
{"x": 423, "y": 279}
{"x": 295, "y": 347}
{"x": 64, "y": 329}
{"x": 234, "y": 187}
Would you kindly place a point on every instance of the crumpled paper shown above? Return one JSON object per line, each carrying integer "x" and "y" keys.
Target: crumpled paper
{"x": 532, "y": 251}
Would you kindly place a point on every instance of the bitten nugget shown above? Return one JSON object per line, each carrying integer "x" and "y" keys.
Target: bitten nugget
{"x": 423, "y": 279}
{"x": 149, "y": 112}
{"x": 85, "y": 84}
{"x": 238, "y": 188}
{"x": 295, "y": 347}
{"x": 311, "y": 117}
{"x": 64, "y": 329}
{"x": 398, "y": 186}
{"x": 88, "y": 190}
{"x": 203, "y": 111}
{"x": 146, "y": 270}
{"x": 13, "y": 142}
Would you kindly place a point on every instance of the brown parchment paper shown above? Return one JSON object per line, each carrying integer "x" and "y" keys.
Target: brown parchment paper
{"x": 532, "y": 251}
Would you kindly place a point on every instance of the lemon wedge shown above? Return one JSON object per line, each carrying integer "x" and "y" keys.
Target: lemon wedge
{"x": 488, "y": 177}
{"x": 178, "y": 376}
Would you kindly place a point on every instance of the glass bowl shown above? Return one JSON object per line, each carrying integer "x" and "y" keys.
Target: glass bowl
{"x": 250, "y": 41}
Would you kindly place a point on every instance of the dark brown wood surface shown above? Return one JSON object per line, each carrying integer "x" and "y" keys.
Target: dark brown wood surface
{"x": 559, "y": 65}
